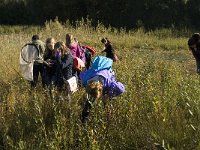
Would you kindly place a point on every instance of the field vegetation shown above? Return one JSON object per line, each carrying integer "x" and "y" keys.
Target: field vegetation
{"x": 160, "y": 108}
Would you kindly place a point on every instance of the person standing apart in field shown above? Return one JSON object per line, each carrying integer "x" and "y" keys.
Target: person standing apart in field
{"x": 50, "y": 63}
{"x": 108, "y": 49}
{"x": 64, "y": 64}
{"x": 194, "y": 47}
{"x": 38, "y": 67}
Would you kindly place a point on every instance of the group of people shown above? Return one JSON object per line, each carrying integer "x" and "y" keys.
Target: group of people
{"x": 55, "y": 63}
{"x": 56, "y": 59}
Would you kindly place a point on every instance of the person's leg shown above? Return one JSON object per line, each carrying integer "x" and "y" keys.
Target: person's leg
{"x": 74, "y": 73}
{"x": 51, "y": 85}
{"x": 60, "y": 83}
{"x": 35, "y": 76}
{"x": 48, "y": 80}
{"x": 42, "y": 73}
{"x": 53, "y": 80}
{"x": 198, "y": 66}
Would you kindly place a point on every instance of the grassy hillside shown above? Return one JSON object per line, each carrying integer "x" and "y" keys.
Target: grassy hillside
{"x": 161, "y": 103}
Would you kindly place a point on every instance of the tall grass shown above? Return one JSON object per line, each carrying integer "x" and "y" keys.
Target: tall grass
{"x": 161, "y": 103}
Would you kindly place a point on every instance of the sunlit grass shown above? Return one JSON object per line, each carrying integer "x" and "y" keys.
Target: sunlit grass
{"x": 161, "y": 103}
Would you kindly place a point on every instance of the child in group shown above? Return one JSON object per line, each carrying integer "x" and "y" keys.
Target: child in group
{"x": 75, "y": 47}
{"x": 88, "y": 58}
{"x": 77, "y": 52}
{"x": 38, "y": 67}
{"x": 64, "y": 63}
{"x": 99, "y": 81}
{"x": 50, "y": 63}
{"x": 194, "y": 47}
{"x": 110, "y": 52}
{"x": 89, "y": 53}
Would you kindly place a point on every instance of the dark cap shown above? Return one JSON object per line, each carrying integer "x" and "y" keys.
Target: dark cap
{"x": 196, "y": 36}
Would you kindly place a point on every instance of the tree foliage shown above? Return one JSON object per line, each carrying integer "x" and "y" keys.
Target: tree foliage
{"x": 117, "y": 13}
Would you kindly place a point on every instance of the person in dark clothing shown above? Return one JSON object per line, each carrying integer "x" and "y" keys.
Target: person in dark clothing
{"x": 89, "y": 53}
{"x": 50, "y": 63}
{"x": 88, "y": 58}
{"x": 38, "y": 67}
{"x": 64, "y": 61}
{"x": 194, "y": 47}
{"x": 110, "y": 52}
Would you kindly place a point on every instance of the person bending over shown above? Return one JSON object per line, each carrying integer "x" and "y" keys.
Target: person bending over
{"x": 99, "y": 82}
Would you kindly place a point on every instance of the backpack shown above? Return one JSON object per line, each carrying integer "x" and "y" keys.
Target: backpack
{"x": 101, "y": 63}
{"x": 78, "y": 64}
{"x": 90, "y": 49}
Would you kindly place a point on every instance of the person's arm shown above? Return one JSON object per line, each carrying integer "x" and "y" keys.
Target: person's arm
{"x": 115, "y": 89}
{"x": 67, "y": 61}
{"x": 46, "y": 63}
{"x": 43, "y": 47}
{"x": 46, "y": 58}
{"x": 103, "y": 51}
{"x": 73, "y": 49}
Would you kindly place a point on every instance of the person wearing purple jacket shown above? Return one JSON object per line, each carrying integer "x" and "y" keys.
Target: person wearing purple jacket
{"x": 99, "y": 81}
{"x": 76, "y": 51}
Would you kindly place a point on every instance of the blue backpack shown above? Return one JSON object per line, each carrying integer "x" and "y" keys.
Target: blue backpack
{"x": 101, "y": 63}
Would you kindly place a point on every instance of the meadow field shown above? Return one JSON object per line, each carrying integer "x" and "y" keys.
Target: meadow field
{"x": 159, "y": 110}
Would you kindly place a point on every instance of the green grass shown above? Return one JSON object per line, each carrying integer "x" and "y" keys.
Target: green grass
{"x": 161, "y": 103}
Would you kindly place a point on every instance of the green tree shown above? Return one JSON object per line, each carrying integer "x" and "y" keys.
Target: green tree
{"x": 193, "y": 10}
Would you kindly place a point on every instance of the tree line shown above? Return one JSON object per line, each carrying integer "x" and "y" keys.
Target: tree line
{"x": 116, "y": 13}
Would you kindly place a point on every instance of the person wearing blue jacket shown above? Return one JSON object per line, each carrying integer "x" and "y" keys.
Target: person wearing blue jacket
{"x": 99, "y": 81}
